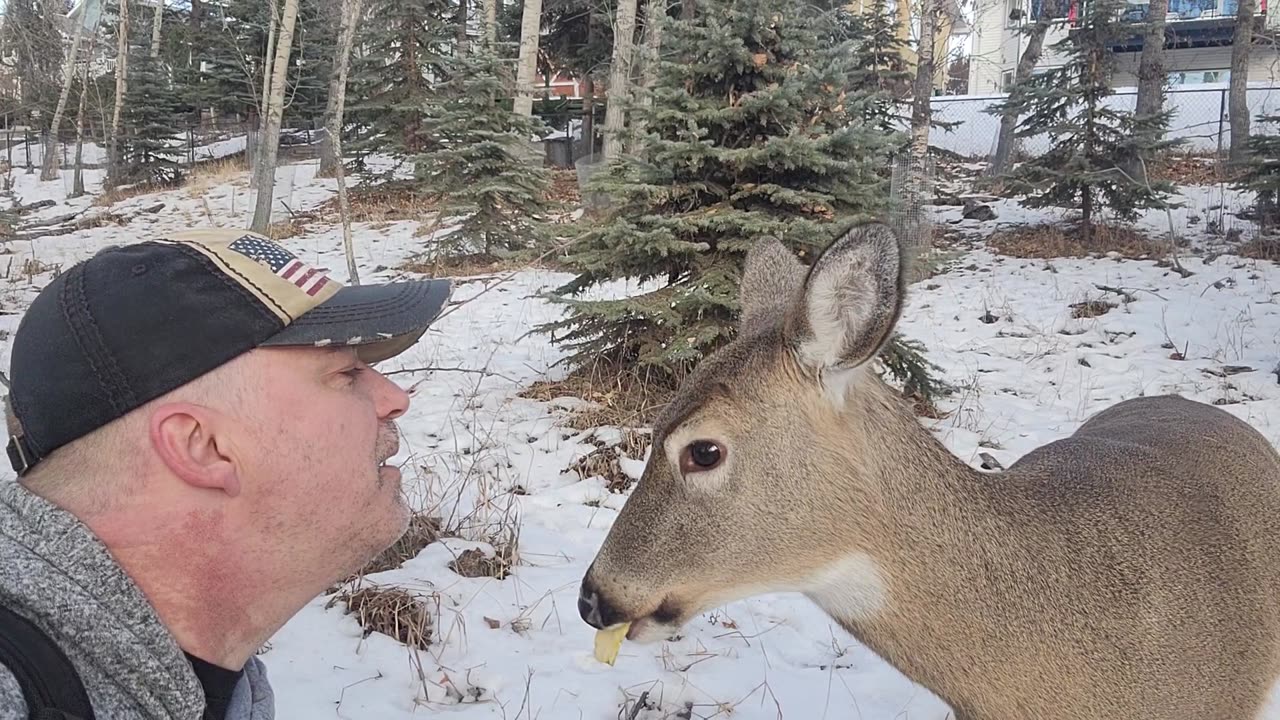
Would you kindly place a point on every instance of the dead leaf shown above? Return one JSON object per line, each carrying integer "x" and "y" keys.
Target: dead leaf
{"x": 493, "y": 624}
{"x": 760, "y": 60}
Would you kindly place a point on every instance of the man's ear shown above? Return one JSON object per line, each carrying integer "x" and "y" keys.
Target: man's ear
{"x": 851, "y": 300}
{"x": 188, "y": 439}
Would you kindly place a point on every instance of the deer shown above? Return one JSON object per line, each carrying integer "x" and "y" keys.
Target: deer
{"x": 1127, "y": 571}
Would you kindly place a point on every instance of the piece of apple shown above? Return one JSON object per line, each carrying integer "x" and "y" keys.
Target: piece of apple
{"x": 609, "y": 641}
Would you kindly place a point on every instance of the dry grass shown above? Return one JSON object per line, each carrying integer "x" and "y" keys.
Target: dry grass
{"x": 392, "y": 611}
{"x": 1057, "y": 241}
{"x": 1091, "y": 308}
{"x": 476, "y": 563}
{"x": 1186, "y": 169}
{"x": 120, "y": 194}
{"x": 208, "y": 174}
{"x": 606, "y": 461}
{"x": 564, "y": 187}
{"x": 1260, "y": 248}
{"x": 382, "y": 203}
{"x": 443, "y": 265}
{"x": 286, "y": 229}
{"x": 622, "y": 398}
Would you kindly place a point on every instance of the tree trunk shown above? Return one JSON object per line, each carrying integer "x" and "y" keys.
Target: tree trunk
{"x": 589, "y": 114}
{"x": 1151, "y": 74}
{"x": 688, "y": 9}
{"x": 49, "y": 166}
{"x": 256, "y": 156}
{"x": 333, "y": 112}
{"x": 350, "y": 18}
{"x": 921, "y": 110}
{"x": 1026, "y": 64}
{"x": 615, "y": 112}
{"x": 1238, "y": 100}
{"x": 269, "y": 144}
{"x": 655, "y": 15}
{"x": 77, "y": 180}
{"x": 530, "y": 26}
{"x": 122, "y": 87}
{"x": 156, "y": 21}
{"x": 460, "y": 32}
{"x": 491, "y": 22}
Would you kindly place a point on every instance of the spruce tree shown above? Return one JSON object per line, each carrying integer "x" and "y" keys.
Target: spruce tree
{"x": 752, "y": 131}
{"x": 151, "y": 120}
{"x": 479, "y": 166}
{"x": 1092, "y": 141}
{"x": 879, "y": 68}
{"x": 405, "y": 43}
{"x": 1262, "y": 172}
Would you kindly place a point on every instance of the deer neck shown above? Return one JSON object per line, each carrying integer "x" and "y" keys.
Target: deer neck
{"x": 918, "y": 538}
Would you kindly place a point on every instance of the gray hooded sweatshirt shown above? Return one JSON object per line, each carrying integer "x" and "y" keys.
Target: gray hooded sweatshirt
{"x": 57, "y": 574}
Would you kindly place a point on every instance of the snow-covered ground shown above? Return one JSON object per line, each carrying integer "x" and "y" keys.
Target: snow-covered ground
{"x": 515, "y": 648}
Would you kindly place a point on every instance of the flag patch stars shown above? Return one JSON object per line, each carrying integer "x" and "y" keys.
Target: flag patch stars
{"x": 282, "y": 263}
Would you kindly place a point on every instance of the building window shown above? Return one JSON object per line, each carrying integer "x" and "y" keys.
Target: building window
{"x": 1013, "y": 13}
{"x": 1006, "y": 81}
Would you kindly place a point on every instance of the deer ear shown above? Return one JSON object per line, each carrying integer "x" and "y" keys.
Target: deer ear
{"x": 851, "y": 300}
{"x": 770, "y": 281}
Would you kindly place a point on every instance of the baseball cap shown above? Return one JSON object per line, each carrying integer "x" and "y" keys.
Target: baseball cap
{"x": 134, "y": 322}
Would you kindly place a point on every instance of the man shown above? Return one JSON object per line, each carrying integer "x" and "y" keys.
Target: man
{"x": 201, "y": 445}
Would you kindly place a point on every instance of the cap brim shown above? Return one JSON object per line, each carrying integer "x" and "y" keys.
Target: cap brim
{"x": 380, "y": 321}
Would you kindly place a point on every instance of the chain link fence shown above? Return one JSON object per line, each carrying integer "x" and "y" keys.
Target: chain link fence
{"x": 1201, "y": 119}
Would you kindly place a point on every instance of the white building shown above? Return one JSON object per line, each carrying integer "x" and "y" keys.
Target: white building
{"x": 1198, "y": 49}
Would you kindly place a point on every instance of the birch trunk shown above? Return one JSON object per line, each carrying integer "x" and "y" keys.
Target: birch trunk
{"x": 122, "y": 87}
{"x": 921, "y": 110}
{"x": 530, "y": 25}
{"x": 256, "y": 156}
{"x": 490, "y": 22}
{"x": 615, "y": 113}
{"x": 350, "y": 18}
{"x": 1237, "y": 93}
{"x": 269, "y": 144}
{"x": 156, "y": 21}
{"x": 49, "y": 166}
{"x": 77, "y": 180}
{"x": 334, "y": 106}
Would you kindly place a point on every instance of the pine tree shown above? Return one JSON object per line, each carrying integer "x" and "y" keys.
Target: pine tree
{"x": 1262, "y": 172}
{"x": 150, "y": 122}
{"x": 1092, "y": 140}
{"x": 751, "y": 132}
{"x": 405, "y": 43}
{"x": 879, "y": 69}
{"x": 478, "y": 165}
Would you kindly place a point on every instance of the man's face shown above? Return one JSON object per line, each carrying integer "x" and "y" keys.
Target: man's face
{"x": 321, "y": 428}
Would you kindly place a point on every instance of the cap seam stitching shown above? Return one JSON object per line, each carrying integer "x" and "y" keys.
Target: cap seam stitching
{"x": 221, "y": 275}
{"x": 90, "y": 341}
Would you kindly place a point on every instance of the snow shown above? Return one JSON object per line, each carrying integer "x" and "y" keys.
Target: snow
{"x": 515, "y": 648}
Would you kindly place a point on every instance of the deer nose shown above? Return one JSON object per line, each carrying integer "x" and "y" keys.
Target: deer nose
{"x": 595, "y": 608}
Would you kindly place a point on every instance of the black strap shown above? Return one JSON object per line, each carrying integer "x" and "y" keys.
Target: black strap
{"x": 49, "y": 681}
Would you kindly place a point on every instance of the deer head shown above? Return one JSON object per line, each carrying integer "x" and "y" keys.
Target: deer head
{"x": 755, "y": 483}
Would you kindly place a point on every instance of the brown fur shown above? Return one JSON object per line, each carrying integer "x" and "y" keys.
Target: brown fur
{"x": 1129, "y": 571}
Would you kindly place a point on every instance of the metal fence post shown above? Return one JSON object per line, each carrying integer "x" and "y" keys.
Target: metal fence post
{"x": 1222, "y": 111}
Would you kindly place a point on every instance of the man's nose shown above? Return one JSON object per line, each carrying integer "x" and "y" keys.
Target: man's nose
{"x": 595, "y": 608}
{"x": 393, "y": 400}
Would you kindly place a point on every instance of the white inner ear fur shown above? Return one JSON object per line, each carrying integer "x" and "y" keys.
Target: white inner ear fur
{"x": 839, "y": 302}
{"x": 692, "y": 430}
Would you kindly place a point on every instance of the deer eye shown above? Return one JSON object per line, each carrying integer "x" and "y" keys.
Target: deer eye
{"x": 700, "y": 456}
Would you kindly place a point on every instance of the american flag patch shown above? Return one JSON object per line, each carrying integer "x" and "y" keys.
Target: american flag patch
{"x": 282, "y": 263}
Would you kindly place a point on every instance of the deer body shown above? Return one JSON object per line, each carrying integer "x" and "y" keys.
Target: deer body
{"x": 1129, "y": 571}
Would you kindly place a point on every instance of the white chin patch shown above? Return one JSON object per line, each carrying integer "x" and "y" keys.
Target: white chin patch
{"x": 852, "y": 588}
{"x": 649, "y": 632}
